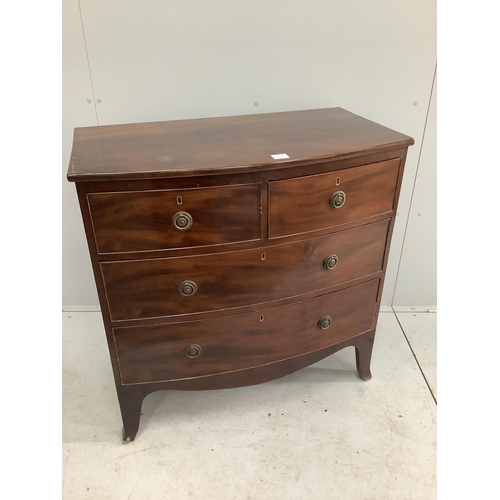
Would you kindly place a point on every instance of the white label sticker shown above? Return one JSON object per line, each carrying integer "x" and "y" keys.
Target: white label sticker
{"x": 281, "y": 156}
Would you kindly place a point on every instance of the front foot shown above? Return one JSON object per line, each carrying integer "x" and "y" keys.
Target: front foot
{"x": 364, "y": 373}
{"x": 364, "y": 355}
{"x": 128, "y": 435}
{"x": 130, "y": 399}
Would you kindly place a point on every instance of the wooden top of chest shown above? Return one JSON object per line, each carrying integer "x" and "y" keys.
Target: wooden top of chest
{"x": 230, "y": 144}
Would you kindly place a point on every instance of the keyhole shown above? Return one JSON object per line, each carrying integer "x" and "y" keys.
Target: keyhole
{"x": 262, "y": 318}
{"x": 263, "y": 256}
{"x": 337, "y": 181}
{"x": 179, "y": 200}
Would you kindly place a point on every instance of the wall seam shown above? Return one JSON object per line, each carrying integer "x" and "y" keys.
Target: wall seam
{"x": 88, "y": 63}
{"x": 413, "y": 187}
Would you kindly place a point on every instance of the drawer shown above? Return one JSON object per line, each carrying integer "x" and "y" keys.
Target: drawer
{"x": 162, "y": 352}
{"x": 137, "y": 221}
{"x": 150, "y": 288}
{"x": 304, "y": 204}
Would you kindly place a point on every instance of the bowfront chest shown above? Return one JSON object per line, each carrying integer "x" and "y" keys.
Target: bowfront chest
{"x": 232, "y": 251}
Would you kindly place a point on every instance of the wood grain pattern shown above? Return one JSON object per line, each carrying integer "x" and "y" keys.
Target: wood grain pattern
{"x": 148, "y": 288}
{"x": 155, "y": 353}
{"x": 225, "y": 144}
{"x": 128, "y": 180}
{"x": 258, "y": 374}
{"x": 301, "y": 205}
{"x": 142, "y": 221}
{"x": 131, "y": 396}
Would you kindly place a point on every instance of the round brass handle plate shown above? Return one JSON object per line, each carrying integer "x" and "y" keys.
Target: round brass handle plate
{"x": 324, "y": 322}
{"x": 182, "y": 221}
{"x": 192, "y": 351}
{"x": 187, "y": 288}
{"x": 337, "y": 199}
{"x": 330, "y": 262}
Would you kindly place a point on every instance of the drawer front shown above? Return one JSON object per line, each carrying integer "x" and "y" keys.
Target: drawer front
{"x": 304, "y": 204}
{"x": 150, "y": 288}
{"x": 161, "y": 352}
{"x": 146, "y": 220}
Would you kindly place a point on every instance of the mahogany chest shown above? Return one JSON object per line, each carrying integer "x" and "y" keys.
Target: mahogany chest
{"x": 231, "y": 251}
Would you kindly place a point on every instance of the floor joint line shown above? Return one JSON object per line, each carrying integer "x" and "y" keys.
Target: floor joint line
{"x": 415, "y": 356}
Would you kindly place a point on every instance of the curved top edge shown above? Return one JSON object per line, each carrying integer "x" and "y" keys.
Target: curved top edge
{"x": 234, "y": 144}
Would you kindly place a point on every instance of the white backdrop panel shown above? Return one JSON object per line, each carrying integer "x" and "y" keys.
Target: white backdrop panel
{"x": 417, "y": 278}
{"x": 163, "y": 60}
{"x": 77, "y": 278}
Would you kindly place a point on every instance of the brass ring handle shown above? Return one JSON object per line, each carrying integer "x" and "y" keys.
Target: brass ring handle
{"x": 330, "y": 262}
{"x": 182, "y": 221}
{"x": 187, "y": 288}
{"x": 192, "y": 351}
{"x": 337, "y": 199}
{"x": 324, "y": 322}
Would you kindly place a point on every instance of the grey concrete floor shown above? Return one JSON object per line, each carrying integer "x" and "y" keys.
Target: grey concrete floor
{"x": 320, "y": 433}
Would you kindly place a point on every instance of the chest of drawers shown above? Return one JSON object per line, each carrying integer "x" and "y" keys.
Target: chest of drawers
{"x": 219, "y": 264}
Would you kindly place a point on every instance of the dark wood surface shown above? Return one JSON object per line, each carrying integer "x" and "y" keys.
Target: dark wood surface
{"x": 148, "y": 288}
{"x": 156, "y": 353}
{"x": 302, "y": 204}
{"x": 256, "y": 319}
{"x": 227, "y": 144}
{"x": 141, "y": 221}
{"x": 131, "y": 396}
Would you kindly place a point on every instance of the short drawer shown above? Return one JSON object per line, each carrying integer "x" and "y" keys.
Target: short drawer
{"x": 137, "y": 221}
{"x": 152, "y": 288}
{"x": 200, "y": 348}
{"x": 315, "y": 202}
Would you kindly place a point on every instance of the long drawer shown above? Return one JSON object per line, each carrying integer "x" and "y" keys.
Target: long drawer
{"x": 200, "y": 348}
{"x": 315, "y": 202}
{"x": 136, "y": 221}
{"x": 159, "y": 287}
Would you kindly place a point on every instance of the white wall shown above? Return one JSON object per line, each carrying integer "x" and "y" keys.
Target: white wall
{"x": 162, "y": 60}
{"x": 417, "y": 277}
{"x": 77, "y": 278}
